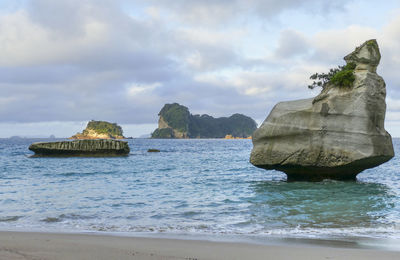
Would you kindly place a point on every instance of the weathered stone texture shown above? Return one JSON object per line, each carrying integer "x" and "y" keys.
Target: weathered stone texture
{"x": 99, "y": 147}
{"x": 336, "y": 135}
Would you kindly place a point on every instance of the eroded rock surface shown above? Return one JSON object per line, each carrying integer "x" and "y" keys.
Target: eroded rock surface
{"x": 336, "y": 135}
{"x": 100, "y": 147}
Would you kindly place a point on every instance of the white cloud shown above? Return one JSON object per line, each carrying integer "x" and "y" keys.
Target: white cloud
{"x": 393, "y": 115}
{"x": 219, "y": 13}
{"x": 393, "y": 104}
{"x": 23, "y": 42}
{"x": 291, "y": 43}
{"x": 74, "y": 60}
{"x": 137, "y": 89}
{"x": 332, "y": 45}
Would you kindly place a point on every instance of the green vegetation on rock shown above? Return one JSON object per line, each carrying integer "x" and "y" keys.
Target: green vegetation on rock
{"x": 176, "y": 115}
{"x": 373, "y": 50}
{"x": 177, "y": 122}
{"x": 103, "y": 127}
{"x": 163, "y": 133}
{"x": 342, "y": 76}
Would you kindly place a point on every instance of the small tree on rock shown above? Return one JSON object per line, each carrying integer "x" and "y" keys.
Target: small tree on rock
{"x": 342, "y": 76}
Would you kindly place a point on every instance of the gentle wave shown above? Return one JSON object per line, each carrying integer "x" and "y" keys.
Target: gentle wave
{"x": 64, "y": 217}
{"x": 10, "y": 218}
{"x": 191, "y": 187}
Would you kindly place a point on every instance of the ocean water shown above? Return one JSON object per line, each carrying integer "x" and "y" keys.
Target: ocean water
{"x": 192, "y": 187}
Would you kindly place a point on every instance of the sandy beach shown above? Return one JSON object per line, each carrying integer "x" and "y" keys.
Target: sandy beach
{"x": 35, "y": 246}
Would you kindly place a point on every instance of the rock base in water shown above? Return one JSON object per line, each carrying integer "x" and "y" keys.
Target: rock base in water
{"x": 315, "y": 173}
{"x": 335, "y": 135}
{"x": 84, "y": 148}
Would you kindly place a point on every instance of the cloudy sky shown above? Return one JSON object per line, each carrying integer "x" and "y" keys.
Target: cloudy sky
{"x": 65, "y": 62}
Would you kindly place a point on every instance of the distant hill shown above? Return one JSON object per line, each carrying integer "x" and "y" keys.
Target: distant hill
{"x": 100, "y": 130}
{"x": 176, "y": 122}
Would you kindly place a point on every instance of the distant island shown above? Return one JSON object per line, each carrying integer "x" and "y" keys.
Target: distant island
{"x": 177, "y": 122}
{"x": 100, "y": 130}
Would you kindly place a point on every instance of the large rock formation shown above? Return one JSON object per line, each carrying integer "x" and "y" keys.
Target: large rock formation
{"x": 336, "y": 135}
{"x": 100, "y": 130}
{"x": 100, "y": 147}
{"x": 176, "y": 122}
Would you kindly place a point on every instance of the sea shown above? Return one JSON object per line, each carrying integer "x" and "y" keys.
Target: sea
{"x": 192, "y": 188}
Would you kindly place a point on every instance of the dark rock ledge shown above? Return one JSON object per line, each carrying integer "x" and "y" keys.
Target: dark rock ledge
{"x": 86, "y": 148}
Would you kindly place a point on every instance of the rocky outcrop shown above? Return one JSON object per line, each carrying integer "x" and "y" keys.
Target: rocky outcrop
{"x": 100, "y": 130}
{"x": 172, "y": 132}
{"x": 100, "y": 147}
{"x": 336, "y": 135}
{"x": 177, "y": 122}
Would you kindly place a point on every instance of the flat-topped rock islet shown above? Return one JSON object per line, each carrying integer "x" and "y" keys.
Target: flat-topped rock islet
{"x": 335, "y": 135}
{"x": 90, "y": 148}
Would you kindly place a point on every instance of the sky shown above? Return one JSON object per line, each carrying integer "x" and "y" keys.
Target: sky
{"x": 65, "y": 62}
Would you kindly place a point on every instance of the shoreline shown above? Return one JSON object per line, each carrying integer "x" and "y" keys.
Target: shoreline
{"x": 43, "y": 245}
{"x": 355, "y": 242}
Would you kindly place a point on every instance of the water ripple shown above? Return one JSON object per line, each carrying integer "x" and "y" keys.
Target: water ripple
{"x": 191, "y": 186}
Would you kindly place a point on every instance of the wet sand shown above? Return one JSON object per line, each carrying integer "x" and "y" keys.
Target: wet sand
{"x": 43, "y": 246}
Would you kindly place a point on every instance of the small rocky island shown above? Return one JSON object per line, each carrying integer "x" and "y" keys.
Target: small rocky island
{"x": 335, "y": 135}
{"x": 100, "y": 130}
{"x": 88, "y": 148}
{"x": 95, "y": 140}
{"x": 177, "y": 122}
